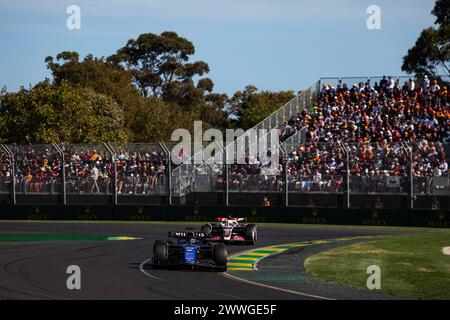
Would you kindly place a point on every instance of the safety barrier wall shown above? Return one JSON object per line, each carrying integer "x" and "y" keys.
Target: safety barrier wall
{"x": 319, "y": 216}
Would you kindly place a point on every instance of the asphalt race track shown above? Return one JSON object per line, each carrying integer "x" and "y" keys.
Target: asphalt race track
{"x": 111, "y": 269}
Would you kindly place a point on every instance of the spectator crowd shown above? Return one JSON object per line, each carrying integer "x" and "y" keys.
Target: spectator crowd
{"x": 377, "y": 127}
{"x": 383, "y": 129}
{"x": 87, "y": 170}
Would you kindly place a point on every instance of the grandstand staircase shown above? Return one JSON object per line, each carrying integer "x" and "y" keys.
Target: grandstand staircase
{"x": 184, "y": 176}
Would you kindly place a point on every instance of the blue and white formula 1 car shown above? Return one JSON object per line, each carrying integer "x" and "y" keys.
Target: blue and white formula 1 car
{"x": 188, "y": 249}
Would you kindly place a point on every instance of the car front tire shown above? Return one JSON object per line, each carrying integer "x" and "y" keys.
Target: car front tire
{"x": 160, "y": 252}
{"x": 220, "y": 257}
{"x": 250, "y": 234}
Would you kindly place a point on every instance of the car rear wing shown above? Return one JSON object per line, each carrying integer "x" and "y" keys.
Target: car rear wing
{"x": 180, "y": 235}
{"x": 220, "y": 219}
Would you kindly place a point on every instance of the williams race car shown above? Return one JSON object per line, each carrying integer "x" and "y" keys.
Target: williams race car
{"x": 190, "y": 249}
{"x": 230, "y": 230}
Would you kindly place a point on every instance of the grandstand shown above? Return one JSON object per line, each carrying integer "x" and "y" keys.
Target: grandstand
{"x": 346, "y": 142}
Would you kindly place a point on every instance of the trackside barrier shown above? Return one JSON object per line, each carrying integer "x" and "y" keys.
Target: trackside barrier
{"x": 317, "y": 216}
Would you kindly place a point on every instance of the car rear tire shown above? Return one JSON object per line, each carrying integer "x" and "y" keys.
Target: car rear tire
{"x": 160, "y": 252}
{"x": 206, "y": 229}
{"x": 220, "y": 257}
{"x": 250, "y": 233}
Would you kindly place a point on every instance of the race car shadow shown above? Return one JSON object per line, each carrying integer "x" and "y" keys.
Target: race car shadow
{"x": 149, "y": 266}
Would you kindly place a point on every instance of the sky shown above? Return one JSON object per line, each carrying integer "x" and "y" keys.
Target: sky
{"x": 272, "y": 44}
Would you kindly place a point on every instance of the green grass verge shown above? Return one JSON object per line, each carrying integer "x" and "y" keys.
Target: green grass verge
{"x": 31, "y": 237}
{"x": 411, "y": 265}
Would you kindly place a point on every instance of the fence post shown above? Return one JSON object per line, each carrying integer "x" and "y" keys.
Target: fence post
{"x": 347, "y": 159}
{"x": 348, "y": 182}
{"x": 286, "y": 180}
{"x": 64, "y": 178}
{"x": 317, "y": 90}
{"x": 227, "y": 190}
{"x": 13, "y": 173}
{"x": 411, "y": 175}
{"x": 169, "y": 181}
{"x": 113, "y": 156}
{"x": 411, "y": 178}
{"x": 169, "y": 172}
{"x": 63, "y": 172}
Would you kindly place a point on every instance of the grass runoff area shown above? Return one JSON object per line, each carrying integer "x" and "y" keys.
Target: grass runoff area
{"x": 412, "y": 266}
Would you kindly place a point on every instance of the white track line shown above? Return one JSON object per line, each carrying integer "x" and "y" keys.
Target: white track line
{"x": 141, "y": 267}
{"x": 255, "y": 264}
{"x": 298, "y": 293}
{"x": 229, "y": 276}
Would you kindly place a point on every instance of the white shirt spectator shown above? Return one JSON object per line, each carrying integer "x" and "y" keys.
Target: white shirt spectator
{"x": 391, "y": 84}
{"x": 435, "y": 88}
{"x": 444, "y": 167}
{"x": 437, "y": 172}
{"x": 94, "y": 173}
{"x": 317, "y": 178}
{"x": 426, "y": 84}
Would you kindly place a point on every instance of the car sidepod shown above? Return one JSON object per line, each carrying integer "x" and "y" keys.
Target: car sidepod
{"x": 190, "y": 254}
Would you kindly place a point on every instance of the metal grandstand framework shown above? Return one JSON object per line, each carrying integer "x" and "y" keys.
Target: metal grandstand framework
{"x": 350, "y": 81}
{"x": 172, "y": 182}
{"x": 215, "y": 178}
{"x": 301, "y": 102}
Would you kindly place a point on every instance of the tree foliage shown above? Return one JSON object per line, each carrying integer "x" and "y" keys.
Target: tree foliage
{"x": 96, "y": 73}
{"x": 431, "y": 52}
{"x": 251, "y": 106}
{"x": 101, "y": 76}
{"x": 146, "y": 119}
{"x": 50, "y": 113}
{"x": 160, "y": 67}
{"x": 142, "y": 93}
